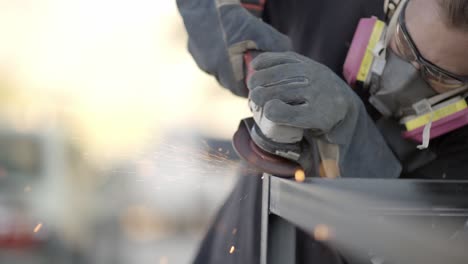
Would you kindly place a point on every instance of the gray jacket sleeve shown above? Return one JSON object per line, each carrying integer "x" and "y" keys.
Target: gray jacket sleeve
{"x": 363, "y": 151}
{"x": 220, "y": 32}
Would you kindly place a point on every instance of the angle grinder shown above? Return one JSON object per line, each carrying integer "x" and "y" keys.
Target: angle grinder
{"x": 269, "y": 147}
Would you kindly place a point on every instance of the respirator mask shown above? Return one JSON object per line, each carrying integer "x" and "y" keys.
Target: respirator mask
{"x": 396, "y": 88}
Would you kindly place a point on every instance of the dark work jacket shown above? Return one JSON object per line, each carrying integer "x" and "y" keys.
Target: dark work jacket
{"x": 321, "y": 30}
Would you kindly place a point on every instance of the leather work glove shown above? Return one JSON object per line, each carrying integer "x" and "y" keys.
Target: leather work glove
{"x": 296, "y": 91}
{"x": 220, "y": 32}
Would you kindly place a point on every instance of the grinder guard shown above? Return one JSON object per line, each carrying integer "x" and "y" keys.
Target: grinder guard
{"x": 262, "y": 160}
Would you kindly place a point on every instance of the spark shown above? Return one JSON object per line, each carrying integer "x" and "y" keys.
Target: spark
{"x": 299, "y": 175}
{"x": 232, "y": 249}
{"x": 234, "y": 231}
{"x": 322, "y": 232}
{"x": 27, "y": 189}
{"x": 38, "y": 227}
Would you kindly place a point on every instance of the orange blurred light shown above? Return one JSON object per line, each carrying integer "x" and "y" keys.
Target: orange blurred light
{"x": 299, "y": 175}
{"x": 322, "y": 232}
{"x": 38, "y": 227}
{"x": 232, "y": 249}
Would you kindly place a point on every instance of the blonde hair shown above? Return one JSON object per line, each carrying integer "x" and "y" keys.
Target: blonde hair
{"x": 455, "y": 13}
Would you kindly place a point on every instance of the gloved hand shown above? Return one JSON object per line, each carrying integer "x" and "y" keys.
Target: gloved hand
{"x": 296, "y": 91}
{"x": 220, "y": 32}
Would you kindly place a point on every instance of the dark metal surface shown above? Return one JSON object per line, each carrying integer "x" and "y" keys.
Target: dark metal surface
{"x": 379, "y": 217}
{"x": 281, "y": 241}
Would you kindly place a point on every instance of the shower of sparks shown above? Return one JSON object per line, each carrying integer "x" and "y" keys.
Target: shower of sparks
{"x": 192, "y": 154}
{"x": 299, "y": 175}
{"x": 195, "y": 159}
{"x": 232, "y": 249}
{"x": 38, "y": 227}
{"x": 184, "y": 163}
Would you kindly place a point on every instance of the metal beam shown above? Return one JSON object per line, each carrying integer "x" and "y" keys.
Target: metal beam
{"x": 377, "y": 216}
{"x": 278, "y": 237}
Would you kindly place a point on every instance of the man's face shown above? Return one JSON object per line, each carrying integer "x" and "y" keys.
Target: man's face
{"x": 438, "y": 43}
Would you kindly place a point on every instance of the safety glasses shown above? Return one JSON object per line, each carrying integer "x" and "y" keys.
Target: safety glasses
{"x": 434, "y": 75}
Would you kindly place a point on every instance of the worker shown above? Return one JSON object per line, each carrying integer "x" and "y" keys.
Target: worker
{"x": 298, "y": 81}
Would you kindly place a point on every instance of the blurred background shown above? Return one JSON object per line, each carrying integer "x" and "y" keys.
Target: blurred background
{"x": 114, "y": 146}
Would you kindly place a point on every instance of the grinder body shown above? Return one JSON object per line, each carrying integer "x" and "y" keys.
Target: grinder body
{"x": 269, "y": 147}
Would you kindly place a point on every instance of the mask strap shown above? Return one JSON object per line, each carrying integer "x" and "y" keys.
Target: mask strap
{"x": 390, "y": 30}
{"x": 425, "y": 106}
{"x": 440, "y": 97}
{"x": 426, "y": 136}
{"x": 380, "y": 50}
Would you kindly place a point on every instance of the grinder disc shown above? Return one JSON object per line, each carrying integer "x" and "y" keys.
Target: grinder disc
{"x": 258, "y": 158}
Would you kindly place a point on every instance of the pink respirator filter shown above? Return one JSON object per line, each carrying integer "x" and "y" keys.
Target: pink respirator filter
{"x": 440, "y": 127}
{"x": 358, "y": 49}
